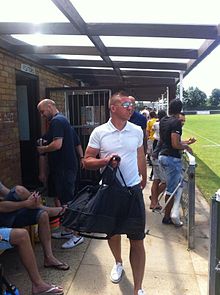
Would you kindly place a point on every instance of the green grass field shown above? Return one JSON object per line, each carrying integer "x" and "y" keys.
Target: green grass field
{"x": 206, "y": 129}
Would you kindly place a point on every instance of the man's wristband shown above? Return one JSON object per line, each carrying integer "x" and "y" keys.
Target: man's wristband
{"x": 81, "y": 157}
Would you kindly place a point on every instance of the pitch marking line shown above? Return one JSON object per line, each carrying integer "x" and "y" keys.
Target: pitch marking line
{"x": 198, "y": 135}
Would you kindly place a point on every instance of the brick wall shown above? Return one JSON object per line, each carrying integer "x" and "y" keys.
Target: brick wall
{"x": 10, "y": 171}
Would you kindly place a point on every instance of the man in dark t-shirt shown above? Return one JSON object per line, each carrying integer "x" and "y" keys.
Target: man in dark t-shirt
{"x": 170, "y": 152}
{"x": 63, "y": 159}
{"x": 169, "y": 125}
{"x": 62, "y": 162}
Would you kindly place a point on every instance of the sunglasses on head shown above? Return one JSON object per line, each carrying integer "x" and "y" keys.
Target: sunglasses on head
{"x": 128, "y": 104}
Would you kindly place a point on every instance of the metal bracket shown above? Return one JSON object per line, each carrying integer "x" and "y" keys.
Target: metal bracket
{"x": 217, "y": 268}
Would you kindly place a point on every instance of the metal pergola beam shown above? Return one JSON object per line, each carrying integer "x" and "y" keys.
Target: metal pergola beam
{"x": 119, "y": 64}
{"x": 66, "y": 7}
{"x": 112, "y": 51}
{"x": 125, "y": 73}
{"x": 77, "y": 26}
{"x": 100, "y": 72}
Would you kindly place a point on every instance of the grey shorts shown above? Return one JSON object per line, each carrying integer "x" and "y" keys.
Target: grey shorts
{"x": 159, "y": 173}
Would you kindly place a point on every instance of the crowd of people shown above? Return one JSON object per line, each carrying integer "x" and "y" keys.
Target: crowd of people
{"x": 137, "y": 138}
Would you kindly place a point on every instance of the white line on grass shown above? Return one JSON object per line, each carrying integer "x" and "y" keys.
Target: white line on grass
{"x": 210, "y": 145}
{"x": 213, "y": 143}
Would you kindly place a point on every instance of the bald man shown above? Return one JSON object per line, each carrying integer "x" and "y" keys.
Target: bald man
{"x": 62, "y": 162}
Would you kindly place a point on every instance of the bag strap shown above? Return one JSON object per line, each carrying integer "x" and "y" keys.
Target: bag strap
{"x": 107, "y": 237}
{"x": 122, "y": 177}
{"x": 114, "y": 170}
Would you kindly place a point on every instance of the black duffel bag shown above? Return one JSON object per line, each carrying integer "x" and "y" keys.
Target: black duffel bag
{"x": 104, "y": 210}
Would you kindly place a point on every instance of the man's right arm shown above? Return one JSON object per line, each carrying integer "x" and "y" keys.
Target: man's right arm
{"x": 90, "y": 160}
{"x": 177, "y": 144}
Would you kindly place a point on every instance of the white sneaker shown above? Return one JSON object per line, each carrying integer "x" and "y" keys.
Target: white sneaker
{"x": 73, "y": 242}
{"x": 116, "y": 273}
{"x": 141, "y": 292}
{"x": 62, "y": 235}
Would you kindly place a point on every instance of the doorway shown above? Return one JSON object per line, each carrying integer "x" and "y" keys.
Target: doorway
{"x": 85, "y": 109}
{"x": 27, "y": 86}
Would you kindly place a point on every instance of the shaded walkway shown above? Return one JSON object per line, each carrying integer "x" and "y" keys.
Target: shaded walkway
{"x": 170, "y": 270}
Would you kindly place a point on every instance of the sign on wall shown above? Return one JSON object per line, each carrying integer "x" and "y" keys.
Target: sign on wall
{"x": 28, "y": 69}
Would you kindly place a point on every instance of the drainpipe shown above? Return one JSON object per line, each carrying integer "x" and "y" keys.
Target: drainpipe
{"x": 168, "y": 99}
{"x": 181, "y": 85}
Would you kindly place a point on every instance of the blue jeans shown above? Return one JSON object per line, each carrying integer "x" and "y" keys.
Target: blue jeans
{"x": 173, "y": 172}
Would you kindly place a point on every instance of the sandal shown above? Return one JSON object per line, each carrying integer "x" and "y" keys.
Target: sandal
{"x": 157, "y": 207}
{"x": 61, "y": 266}
{"x": 53, "y": 289}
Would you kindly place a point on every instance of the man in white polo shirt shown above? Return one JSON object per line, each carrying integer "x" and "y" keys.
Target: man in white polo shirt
{"x": 118, "y": 137}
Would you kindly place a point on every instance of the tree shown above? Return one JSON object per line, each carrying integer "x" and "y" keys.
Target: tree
{"x": 194, "y": 98}
{"x": 214, "y": 98}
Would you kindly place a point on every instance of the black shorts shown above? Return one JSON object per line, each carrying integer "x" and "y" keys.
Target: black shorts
{"x": 138, "y": 211}
{"x": 61, "y": 185}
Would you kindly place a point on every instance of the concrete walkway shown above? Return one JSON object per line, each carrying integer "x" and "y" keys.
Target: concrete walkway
{"x": 170, "y": 268}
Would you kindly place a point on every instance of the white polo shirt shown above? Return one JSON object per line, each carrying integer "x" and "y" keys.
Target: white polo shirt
{"x": 109, "y": 140}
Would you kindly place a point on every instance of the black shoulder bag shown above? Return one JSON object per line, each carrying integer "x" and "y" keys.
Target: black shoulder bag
{"x": 104, "y": 210}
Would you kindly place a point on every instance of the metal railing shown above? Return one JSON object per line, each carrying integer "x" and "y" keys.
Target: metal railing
{"x": 188, "y": 197}
{"x": 185, "y": 192}
{"x": 214, "y": 246}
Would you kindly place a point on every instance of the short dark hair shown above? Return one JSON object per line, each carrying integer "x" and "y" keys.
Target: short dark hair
{"x": 161, "y": 114}
{"x": 175, "y": 106}
{"x": 152, "y": 114}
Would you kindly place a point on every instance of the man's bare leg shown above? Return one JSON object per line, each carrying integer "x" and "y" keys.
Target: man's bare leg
{"x": 45, "y": 238}
{"x": 115, "y": 247}
{"x": 20, "y": 238}
{"x": 22, "y": 192}
{"x": 57, "y": 202}
{"x": 137, "y": 260}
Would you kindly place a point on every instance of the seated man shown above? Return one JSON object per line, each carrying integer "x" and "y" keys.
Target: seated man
{"x": 19, "y": 237}
{"x": 16, "y": 212}
{"x": 20, "y": 193}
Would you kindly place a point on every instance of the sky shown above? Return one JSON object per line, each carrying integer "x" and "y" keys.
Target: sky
{"x": 205, "y": 76}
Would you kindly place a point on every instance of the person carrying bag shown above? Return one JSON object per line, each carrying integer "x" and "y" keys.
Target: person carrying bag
{"x": 123, "y": 210}
{"x": 104, "y": 209}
